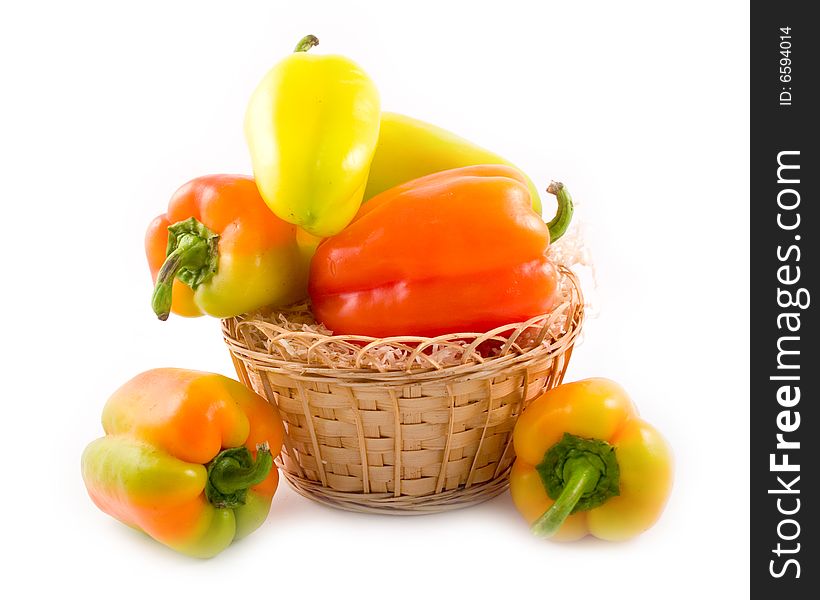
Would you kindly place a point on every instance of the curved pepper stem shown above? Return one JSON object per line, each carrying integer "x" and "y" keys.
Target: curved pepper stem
{"x": 559, "y": 224}
{"x": 579, "y": 474}
{"x": 233, "y": 471}
{"x": 306, "y": 43}
{"x": 191, "y": 256}
{"x": 583, "y": 480}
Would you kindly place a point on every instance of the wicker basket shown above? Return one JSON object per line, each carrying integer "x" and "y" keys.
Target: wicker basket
{"x": 402, "y": 425}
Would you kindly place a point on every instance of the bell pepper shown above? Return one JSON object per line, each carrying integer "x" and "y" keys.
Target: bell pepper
{"x": 456, "y": 251}
{"x": 219, "y": 250}
{"x": 409, "y": 148}
{"x": 311, "y": 127}
{"x": 587, "y": 464}
{"x": 187, "y": 459}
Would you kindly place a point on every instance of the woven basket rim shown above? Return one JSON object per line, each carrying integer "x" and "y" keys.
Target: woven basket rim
{"x": 536, "y": 330}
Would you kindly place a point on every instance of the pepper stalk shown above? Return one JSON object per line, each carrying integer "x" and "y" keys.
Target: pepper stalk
{"x": 560, "y": 222}
{"x": 306, "y": 43}
{"x": 579, "y": 474}
{"x": 192, "y": 257}
{"x": 233, "y": 471}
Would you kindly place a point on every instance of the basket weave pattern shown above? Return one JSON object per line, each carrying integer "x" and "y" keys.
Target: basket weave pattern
{"x": 423, "y": 435}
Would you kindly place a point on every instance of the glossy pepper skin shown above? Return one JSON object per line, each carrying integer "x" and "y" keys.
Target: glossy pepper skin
{"x": 218, "y": 250}
{"x": 409, "y": 148}
{"x": 187, "y": 458}
{"x": 608, "y": 471}
{"x": 456, "y": 251}
{"x": 311, "y": 127}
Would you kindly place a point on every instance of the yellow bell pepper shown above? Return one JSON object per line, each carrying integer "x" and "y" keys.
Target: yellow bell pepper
{"x": 312, "y": 125}
{"x": 409, "y": 148}
{"x": 587, "y": 464}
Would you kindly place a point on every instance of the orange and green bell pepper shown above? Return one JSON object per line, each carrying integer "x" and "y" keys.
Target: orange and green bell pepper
{"x": 456, "y": 251}
{"x": 187, "y": 458}
{"x": 587, "y": 464}
{"x": 409, "y": 148}
{"x": 219, "y": 250}
{"x": 312, "y": 125}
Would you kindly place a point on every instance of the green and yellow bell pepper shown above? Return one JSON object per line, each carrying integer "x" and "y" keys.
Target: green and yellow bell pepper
{"x": 187, "y": 458}
{"x": 409, "y": 148}
{"x": 587, "y": 464}
{"x": 312, "y": 125}
{"x": 219, "y": 250}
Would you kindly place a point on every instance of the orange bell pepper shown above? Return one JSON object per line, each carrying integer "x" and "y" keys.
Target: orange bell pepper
{"x": 457, "y": 251}
{"x": 187, "y": 458}
{"x": 220, "y": 251}
{"x": 587, "y": 464}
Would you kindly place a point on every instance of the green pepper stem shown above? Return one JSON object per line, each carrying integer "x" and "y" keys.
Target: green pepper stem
{"x": 584, "y": 476}
{"x": 192, "y": 257}
{"x": 228, "y": 476}
{"x": 579, "y": 474}
{"x": 186, "y": 254}
{"x": 306, "y": 43}
{"x": 559, "y": 224}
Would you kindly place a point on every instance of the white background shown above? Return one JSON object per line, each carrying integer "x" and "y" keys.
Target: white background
{"x": 641, "y": 108}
